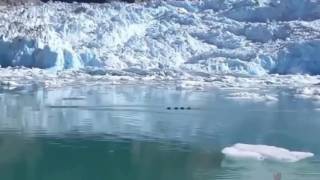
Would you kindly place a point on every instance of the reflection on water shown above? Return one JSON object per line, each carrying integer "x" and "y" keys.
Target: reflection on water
{"x": 126, "y": 132}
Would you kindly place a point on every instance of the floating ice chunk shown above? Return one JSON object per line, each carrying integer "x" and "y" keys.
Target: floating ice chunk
{"x": 308, "y": 93}
{"x": 264, "y": 152}
{"x": 252, "y": 97}
{"x": 198, "y": 85}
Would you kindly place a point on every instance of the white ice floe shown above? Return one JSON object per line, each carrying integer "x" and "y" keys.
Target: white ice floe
{"x": 264, "y": 152}
{"x": 312, "y": 92}
{"x": 19, "y": 77}
{"x": 251, "y": 96}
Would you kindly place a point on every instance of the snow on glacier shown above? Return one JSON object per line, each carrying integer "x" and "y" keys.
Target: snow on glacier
{"x": 172, "y": 38}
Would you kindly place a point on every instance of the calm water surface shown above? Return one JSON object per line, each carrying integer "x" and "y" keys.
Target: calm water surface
{"x": 126, "y": 133}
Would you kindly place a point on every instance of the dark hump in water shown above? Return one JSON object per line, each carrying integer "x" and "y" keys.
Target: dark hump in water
{"x": 179, "y": 108}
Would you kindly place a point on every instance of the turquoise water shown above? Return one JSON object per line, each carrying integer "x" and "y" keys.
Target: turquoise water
{"x": 126, "y": 132}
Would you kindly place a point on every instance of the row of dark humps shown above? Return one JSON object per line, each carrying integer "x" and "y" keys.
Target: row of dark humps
{"x": 178, "y": 108}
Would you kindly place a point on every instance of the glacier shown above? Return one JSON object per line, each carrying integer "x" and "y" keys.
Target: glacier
{"x": 165, "y": 38}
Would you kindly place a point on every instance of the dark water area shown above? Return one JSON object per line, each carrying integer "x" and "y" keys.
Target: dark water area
{"x": 127, "y": 132}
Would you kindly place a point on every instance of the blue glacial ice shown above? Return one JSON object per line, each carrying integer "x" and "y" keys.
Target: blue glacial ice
{"x": 205, "y": 37}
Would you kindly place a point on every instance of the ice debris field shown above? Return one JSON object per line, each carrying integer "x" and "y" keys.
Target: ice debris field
{"x": 224, "y": 43}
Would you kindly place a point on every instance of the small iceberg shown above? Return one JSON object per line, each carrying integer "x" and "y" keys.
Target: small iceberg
{"x": 264, "y": 152}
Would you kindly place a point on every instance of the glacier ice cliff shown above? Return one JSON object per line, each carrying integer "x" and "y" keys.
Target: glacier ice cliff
{"x": 249, "y": 37}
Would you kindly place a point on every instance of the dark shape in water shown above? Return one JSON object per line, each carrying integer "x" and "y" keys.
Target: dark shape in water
{"x": 181, "y": 108}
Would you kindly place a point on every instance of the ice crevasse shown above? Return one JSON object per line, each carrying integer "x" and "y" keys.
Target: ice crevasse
{"x": 251, "y": 37}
